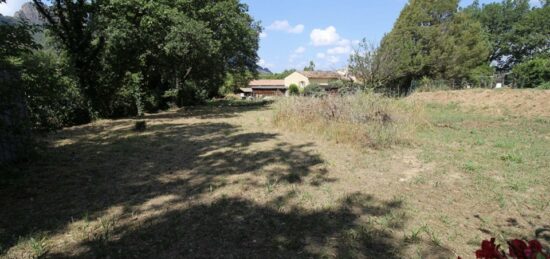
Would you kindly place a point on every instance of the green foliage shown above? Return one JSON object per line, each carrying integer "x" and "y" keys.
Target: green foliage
{"x": 432, "y": 39}
{"x": 544, "y": 86}
{"x": 53, "y": 99}
{"x": 310, "y": 67}
{"x": 314, "y": 90}
{"x": 293, "y": 89}
{"x": 516, "y": 31}
{"x": 185, "y": 50}
{"x": 532, "y": 73}
{"x": 76, "y": 30}
{"x": 234, "y": 81}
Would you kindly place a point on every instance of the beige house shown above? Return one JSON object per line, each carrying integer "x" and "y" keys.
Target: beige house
{"x": 305, "y": 78}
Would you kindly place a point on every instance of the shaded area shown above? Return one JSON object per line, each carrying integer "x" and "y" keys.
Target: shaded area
{"x": 88, "y": 171}
{"x": 234, "y": 228}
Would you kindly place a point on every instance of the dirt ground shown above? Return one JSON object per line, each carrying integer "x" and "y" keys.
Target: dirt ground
{"x": 502, "y": 102}
{"x": 222, "y": 182}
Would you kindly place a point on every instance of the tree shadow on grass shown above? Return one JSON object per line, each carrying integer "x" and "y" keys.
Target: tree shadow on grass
{"x": 236, "y": 228}
{"x": 160, "y": 181}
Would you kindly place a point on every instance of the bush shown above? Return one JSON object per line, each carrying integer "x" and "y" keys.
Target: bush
{"x": 545, "y": 86}
{"x": 361, "y": 119}
{"x": 314, "y": 90}
{"x": 532, "y": 73}
{"x": 53, "y": 99}
{"x": 293, "y": 89}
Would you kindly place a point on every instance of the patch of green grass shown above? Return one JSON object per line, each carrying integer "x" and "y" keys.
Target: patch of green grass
{"x": 470, "y": 167}
{"x": 513, "y": 158}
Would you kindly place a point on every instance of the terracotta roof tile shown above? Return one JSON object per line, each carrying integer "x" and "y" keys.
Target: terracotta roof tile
{"x": 321, "y": 74}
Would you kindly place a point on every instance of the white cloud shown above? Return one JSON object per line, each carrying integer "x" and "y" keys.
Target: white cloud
{"x": 300, "y": 50}
{"x": 285, "y": 26}
{"x": 11, "y": 7}
{"x": 340, "y": 50}
{"x": 324, "y": 37}
{"x": 263, "y": 63}
{"x": 331, "y": 59}
{"x": 263, "y": 35}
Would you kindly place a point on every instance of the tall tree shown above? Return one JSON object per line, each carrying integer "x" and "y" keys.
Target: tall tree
{"x": 74, "y": 24}
{"x": 499, "y": 19}
{"x": 432, "y": 39}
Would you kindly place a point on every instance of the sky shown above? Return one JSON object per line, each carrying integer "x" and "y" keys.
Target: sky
{"x": 322, "y": 31}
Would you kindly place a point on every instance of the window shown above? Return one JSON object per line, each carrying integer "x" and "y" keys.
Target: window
{"x": 302, "y": 83}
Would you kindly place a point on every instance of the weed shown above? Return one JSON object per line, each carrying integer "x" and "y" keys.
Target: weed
{"x": 414, "y": 237}
{"x": 38, "y": 245}
{"x": 470, "y": 167}
{"x": 271, "y": 184}
{"x": 514, "y": 158}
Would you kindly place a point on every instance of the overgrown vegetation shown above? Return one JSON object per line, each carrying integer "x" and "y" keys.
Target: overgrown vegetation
{"x": 361, "y": 119}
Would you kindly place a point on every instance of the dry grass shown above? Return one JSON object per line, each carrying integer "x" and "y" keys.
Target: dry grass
{"x": 501, "y": 102}
{"x": 220, "y": 181}
{"x": 363, "y": 119}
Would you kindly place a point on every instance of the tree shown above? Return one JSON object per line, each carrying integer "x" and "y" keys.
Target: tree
{"x": 371, "y": 67}
{"x": 432, "y": 39}
{"x": 498, "y": 20}
{"x": 532, "y": 73}
{"x": 310, "y": 67}
{"x": 74, "y": 25}
{"x": 185, "y": 47}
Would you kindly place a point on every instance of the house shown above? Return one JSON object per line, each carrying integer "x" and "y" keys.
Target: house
{"x": 258, "y": 88}
{"x": 265, "y": 88}
{"x": 305, "y": 78}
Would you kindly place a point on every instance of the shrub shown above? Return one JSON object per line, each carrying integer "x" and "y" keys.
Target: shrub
{"x": 53, "y": 99}
{"x": 532, "y": 73}
{"x": 293, "y": 89}
{"x": 362, "y": 118}
{"x": 545, "y": 86}
{"x": 314, "y": 90}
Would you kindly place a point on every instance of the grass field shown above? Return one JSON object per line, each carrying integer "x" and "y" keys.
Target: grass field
{"x": 224, "y": 181}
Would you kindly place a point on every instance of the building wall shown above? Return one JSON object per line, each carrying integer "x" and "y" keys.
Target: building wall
{"x": 320, "y": 81}
{"x": 269, "y": 92}
{"x": 298, "y": 79}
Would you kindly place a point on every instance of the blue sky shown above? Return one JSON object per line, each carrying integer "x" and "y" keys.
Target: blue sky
{"x": 325, "y": 31}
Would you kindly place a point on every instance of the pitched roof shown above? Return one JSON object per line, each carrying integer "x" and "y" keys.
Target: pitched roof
{"x": 266, "y": 83}
{"x": 321, "y": 74}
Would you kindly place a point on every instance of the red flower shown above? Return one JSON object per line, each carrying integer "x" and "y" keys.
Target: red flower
{"x": 536, "y": 250}
{"x": 523, "y": 250}
{"x": 519, "y": 249}
{"x": 489, "y": 250}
